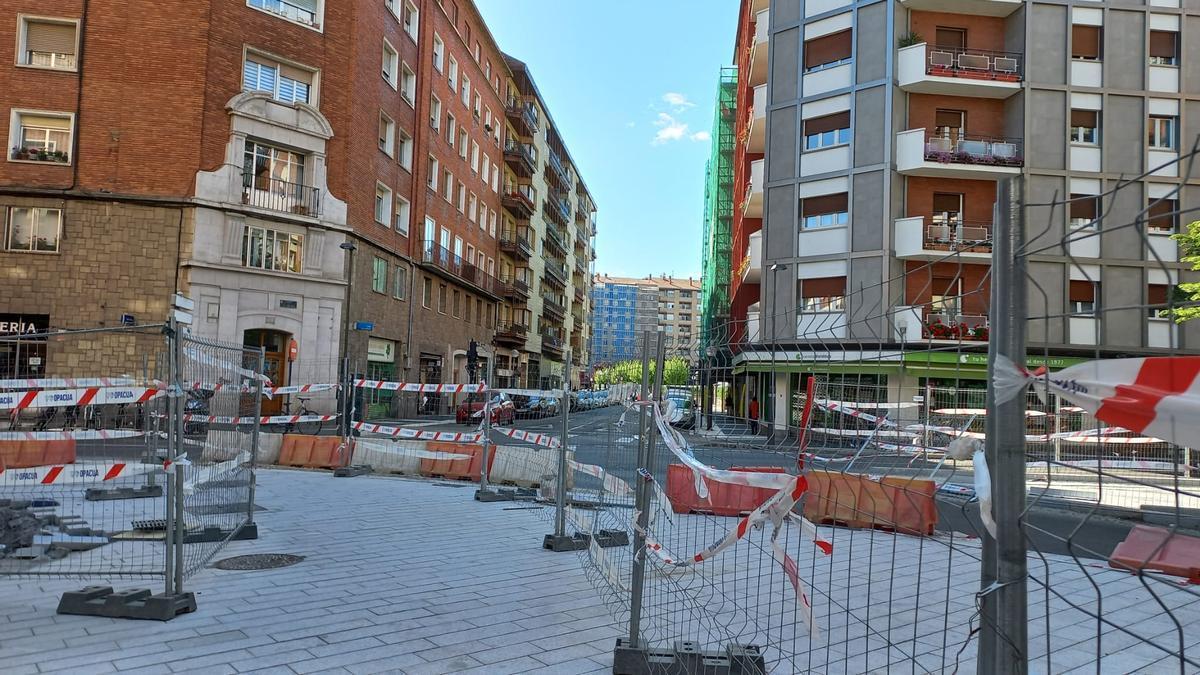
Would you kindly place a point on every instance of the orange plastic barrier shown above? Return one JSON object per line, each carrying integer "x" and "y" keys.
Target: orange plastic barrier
{"x": 311, "y": 452}
{"x": 904, "y": 505}
{"x": 459, "y": 469}
{"x": 25, "y": 454}
{"x": 723, "y": 499}
{"x": 1156, "y": 549}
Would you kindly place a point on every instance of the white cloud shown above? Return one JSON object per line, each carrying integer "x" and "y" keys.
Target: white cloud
{"x": 669, "y": 129}
{"x": 678, "y": 101}
{"x": 631, "y": 125}
{"x": 700, "y": 136}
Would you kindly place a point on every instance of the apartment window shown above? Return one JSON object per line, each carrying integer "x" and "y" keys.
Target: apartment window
{"x": 825, "y": 211}
{"x": 431, "y": 172}
{"x": 1082, "y": 297}
{"x": 391, "y": 7}
{"x": 452, "y": 74}
{"x": 411, "y": 20}
{"x": 400, "y": 284}
{"x": 476, "y": 50}
{"x": 470, "y": 254}
{"x": 1085, "y": 42}
{"x": 467, "y": 308}
{"x": 474, "y": 157}
{"x": 823, "y": 295}
{"x": 480, "y": 260}
{"x": 827, "y": 131}
{"x": 1083, "y": 210}
{"x": 471, "y": 207}
{"x": 462, "y": 197}
{"x": 485, "y": 168}
{"x": 491, "y": 267}
{"x": 479, "y": 311}
{"x": 383, "y": 204}
{"x": 449, "y": 186}
{"x": 1156, "y": 297}
{"x": 41, "y": 136}
{"x": 391, "y": 64}
{"x": 47, "y": 43}
{"x": 442, "y": 298}
{"x": 272, "y": 250}
{"x": 495, "y": 178}
{"x": 827, "y": 51}
{"x": 276, "y": 174}
{"x": 1161, "y": 132}
{"x": 34, "y": 230}
{"x": 379, "y": 272}
{"x": 439, "y": 53}
{"x": 435, "y": 112}
{"x": 387, "y": 135}
{"x": 408, "y": 84}
{"x": 466, "y": 90}
{"x": 1085, "y": 125}
{"x": 427, "y": 293}
{"x": 457, "y": 304}
{"x": 306, "y": 12}
{"x": 285, "y": 83}
{"x": 1164, "y": 48}
{"x": 462, "y": 143}
{"x": 403, "y": 215}
{"x": 478, "y": 105}
{"x": 483, "y": 214}
{"x": 1163, "y": 216}
{"x": 406, "y": 150}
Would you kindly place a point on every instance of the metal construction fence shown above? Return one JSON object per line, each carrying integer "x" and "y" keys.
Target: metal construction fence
{"x": 109, "y": 471}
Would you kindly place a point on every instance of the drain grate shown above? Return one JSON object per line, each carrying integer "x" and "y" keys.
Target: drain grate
{"x": 258, "y": 561}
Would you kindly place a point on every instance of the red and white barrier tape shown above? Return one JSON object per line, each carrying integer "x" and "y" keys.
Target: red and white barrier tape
{"x": 70, "y": 434}
{"x": 612, "y": 484}
{"x": 979, "y": 412}
{"x": 418, "y": 434}
{"x": 545, "y": 440}
{"x": 68, "y": 383}
{"x": 298, "y": 389}
{"x": 273, "y": 419}
{"x": 416, "y": 386}
{"x": 540, "y": 393}
{"x": 54, "y": 398}
{"x": 860, "y": 433}
{"x": 838, "y": 406}
{"x": 72, "y": 473}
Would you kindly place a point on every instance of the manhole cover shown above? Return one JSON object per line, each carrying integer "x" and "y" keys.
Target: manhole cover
{"x": 258, "y": 561}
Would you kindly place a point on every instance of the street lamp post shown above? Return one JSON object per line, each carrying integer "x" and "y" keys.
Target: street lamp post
{"x": 347, "y": 391}
{"x": 776, "y": 268}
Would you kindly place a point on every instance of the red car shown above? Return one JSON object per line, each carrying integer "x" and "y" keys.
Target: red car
{"x": 471, "y": 410}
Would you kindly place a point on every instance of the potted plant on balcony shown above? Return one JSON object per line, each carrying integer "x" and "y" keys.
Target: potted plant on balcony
{"x": 941, "y": 331}
{"x": 910, "y": 39}
{"x": 979, "y": 333}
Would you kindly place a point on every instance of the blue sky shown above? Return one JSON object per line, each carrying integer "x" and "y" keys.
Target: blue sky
{"x": 630, "y": 84}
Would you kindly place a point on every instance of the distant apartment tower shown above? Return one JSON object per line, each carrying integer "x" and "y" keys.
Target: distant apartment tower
{"x": 624, "y": 308}
{"x": 875, "y": 132}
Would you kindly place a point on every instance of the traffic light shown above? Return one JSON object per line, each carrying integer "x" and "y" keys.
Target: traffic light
{"x": 472, "y": 360}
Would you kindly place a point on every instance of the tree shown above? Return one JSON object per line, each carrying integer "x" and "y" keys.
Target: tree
{"x": 675, "y": 372}
{"x": 1189, "y": 292}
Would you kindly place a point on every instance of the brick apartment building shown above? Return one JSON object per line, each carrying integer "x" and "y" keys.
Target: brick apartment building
{"x": 242, "y": 169}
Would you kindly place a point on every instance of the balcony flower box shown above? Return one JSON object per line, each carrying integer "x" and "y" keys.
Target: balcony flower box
{"x": 938, "y": 330}
{"x": 39, "y": 155}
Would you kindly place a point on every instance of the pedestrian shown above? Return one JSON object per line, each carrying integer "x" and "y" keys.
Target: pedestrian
{"x": 728, "y": 403}
{"x": 754, "y": 415}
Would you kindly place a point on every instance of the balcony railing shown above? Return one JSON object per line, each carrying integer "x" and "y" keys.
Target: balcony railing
{"x": 444, "y": 259}
{"x": 952, "y": 234}
{"x": 511, "y": 332}
{"x": 968, "y": 149}
{"x": 273, "y": 194}
{"x": 50, "y": 60}
{"x": 556, "y": 271}
{"x": 515, "y": 289}
{"x": 953, "y": 326}
{"x": 552, "y": 342}
{"x": 973, "y": 63}
{"x": 520, "y": 200}
{"x": 520, "y": 157}
{"x": 581, "y": 266}
{"x": 555, "y": 238}
{"x": 579, "y": 294}
{"x": 558, "y": 169}
{"x": 288, "y": 11}
{"x": 555, "y": 205}
{"x": 551, "y": 306}
{"x": 525, "y": 114}
{"x": 516, "y": 243}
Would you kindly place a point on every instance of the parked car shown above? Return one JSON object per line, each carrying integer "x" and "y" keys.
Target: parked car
{"x": 685, "y": 412}
{"x": 470, "y": 411}
{"x": 529, "y": 407}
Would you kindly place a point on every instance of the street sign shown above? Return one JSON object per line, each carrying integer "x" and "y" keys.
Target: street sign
{"x": 183, "y": 317}
{"x": 128, "y": 320}
{"x": 364, "y": 325}
{"x": 293, "y": 350}
{"x": 183, "y": 302}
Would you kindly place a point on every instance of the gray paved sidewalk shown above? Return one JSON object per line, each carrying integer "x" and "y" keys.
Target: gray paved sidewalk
{"x": 401, "y": 576}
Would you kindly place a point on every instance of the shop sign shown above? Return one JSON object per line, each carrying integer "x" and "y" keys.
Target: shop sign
{"x": 23, "y": 324}
{"x": 380, "y": 350}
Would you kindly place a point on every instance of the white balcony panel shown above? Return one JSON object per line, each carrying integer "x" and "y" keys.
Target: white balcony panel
{"x": 753, "y": 271}
{"x": 758, "y": 51}
{"x": 907, "y": 324}
{"x": 912, "y": 243}
{"x": 1164, "y": 78}
{"x": 1164, "y": 3}
{"x": 815, "y": 7}
{"x": 1162, "y": 247}
{"x": 1161, "y": 333}
{"x": 1086, "y": 73}
{"x": 824, "y": 241}
{"x": 824, "y": 81}
{"x": 821, "y": 325}
{"x": 1163, "y": 163}
{"x": 1084, "y": 242}
{"x": 753, "y": 207}
{"x": 1083, "y": 330}
{"x": 820, "y": 270}
{"x": 1085, "y": 158}
{"x": 758, "y": 121}
{"x": 910, "y": 238}
{"x": 825, "y": 161}
{"x": 976, "y": 7}
{"x": 910, "y": 160}
{"x": 912, "y": 69}
{"x": 753, "y": 333}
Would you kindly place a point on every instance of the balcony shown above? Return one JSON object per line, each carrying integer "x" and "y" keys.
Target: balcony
{"x": 515, "y": 243}
{"x": 511, "y": 334}
{"x": 520, "y": 200}
{"x": 558, "y": 170}
{"x": 1162, "y": 333}
{"x": 975, "y": 7}
{"x": 753, "y": 206}
{"x": 580, "y": 296}
{"x": 515, "y": 290}
{"x": 552, "y": 344}
{"x": 523, "y": 116}
{"x": 759, "y": 48}
{"x": 750, "y": 269}
{"x": 554, "y": 238}
{"x": 272, "y": 194}
{"x": 956, "y": 156}
{"x": 303, "y": 13}
{"x": 757, "y": 138}
{"x": 556, "y": 273}
{"x": 949, "y": 71}
{"x": 519, "y": 157}
{"x": 552, "y": 308}
{"x": 556, "y": 207}
{"x": 921, "y": 238}
{"x": 437, "y": 257}
{"x": 581, "y": 266}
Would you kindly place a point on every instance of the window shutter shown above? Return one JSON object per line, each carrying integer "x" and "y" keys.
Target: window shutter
{"x": 55, "y": 38}
{"x": 949, "y": 118}
{"x": 1083, "y": 206}
{"x": 943, "y": 203}
{"x": 816, "y": 206}
{"x": 944, "y": 286}
{"x": 1162, "y": 214}
{"x": 1082, "y": 291}
{"x": 827, "y": 49}
{"x": 1162, "y": 43}
{"x": 59, "y": 123}
{"x": 1085, "y": 41}
{"x": 951, "y": 38}
{"x": 827, "y": 287}
{"x": 1156, "y": 294}
{"x": 1084, "y": 118}
{"x": 818, "y": 125}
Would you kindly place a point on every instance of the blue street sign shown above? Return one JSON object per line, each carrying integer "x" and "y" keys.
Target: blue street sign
{"x": 364, "y": 325}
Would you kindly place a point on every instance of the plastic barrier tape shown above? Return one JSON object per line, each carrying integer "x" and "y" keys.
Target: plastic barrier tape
{"x": 416, "y": 386}
{"x": 78, "y": 435}
{"x": 54, "y": 398}
{"x": 274, "y": 419}
{"x": 545, "y": 440}
{"x": 401, "y": 432}
{"x": 68, "y": 383}
{"x": 71, "y": 474}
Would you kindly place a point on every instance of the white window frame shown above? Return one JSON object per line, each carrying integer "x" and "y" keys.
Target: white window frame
{"x": 408, "y": 84}
{"x": 23, "y": 21}
{"x": 246, "y": 253}
{"x": 411, "y": 28}
{"x": 391, "y": 62}
{"x": 485, "y": 169}
{"x": 483, "y": 212}
{"x": 268, "y": 59}
{"x": 435, "y": 112}
{"x": 451, "y": 128}
{"x": 466, "y": 90}
{"x": 1171, "y": 133}
{"x": 452, "y": 74}
{"x": 6, "y": 244}
{"x": 14, "y": 134}
{"x": 404, "y": 149}
{"x": 474, "y": 157}
{"x": 431, "y": 181}
{"x": 462, "y": 197}
{"x": 478, "y": 104}
{"x": 318, "y": 16}
{"x": 492, "y": 224}
{"x": 388, "y": 144}
{"x": 462, "y": 143}
{"x": 403, "y": 213}
{"x": 495, "y": 178}
{"x": 400, "y": 283}
{"x": 384, "y": 196}
{"x": 472, "y": 207}
{"x": 448, "y": 179}
{"x": 439, "y": 53}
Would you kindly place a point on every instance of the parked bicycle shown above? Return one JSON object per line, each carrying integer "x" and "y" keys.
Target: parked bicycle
{"x": 309, "y": 428}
